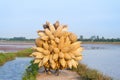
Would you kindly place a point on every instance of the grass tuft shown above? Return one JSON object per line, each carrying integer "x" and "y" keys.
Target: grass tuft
{"x": 6, "y": 57}
{"x": 89, "y": 74}
{"x": 24, "y": 53}
{"x": 31, "y": 72}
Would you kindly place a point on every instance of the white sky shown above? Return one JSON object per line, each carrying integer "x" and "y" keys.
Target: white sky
{"x": 84, "y": 17}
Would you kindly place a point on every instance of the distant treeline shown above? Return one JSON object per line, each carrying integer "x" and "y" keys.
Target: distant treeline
{"x": 16, "y": 39}
{"x": 81, "y": 38}
{"x": 98, "y": 39}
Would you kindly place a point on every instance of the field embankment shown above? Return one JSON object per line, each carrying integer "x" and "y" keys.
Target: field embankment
{"x": 83, "y": 73}
{"x": 89, "y": 42}
{"x": 4, "y": 57}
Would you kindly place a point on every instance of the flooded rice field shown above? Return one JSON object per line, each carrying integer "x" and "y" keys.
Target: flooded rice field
{"x": 103, "y": 57}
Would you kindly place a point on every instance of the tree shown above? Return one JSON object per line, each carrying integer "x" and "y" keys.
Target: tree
{"x": 93, "y": 38}
{"x": 81, "y": 37}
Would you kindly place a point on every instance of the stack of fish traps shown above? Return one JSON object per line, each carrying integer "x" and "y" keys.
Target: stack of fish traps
{"x": 56, "y": 47}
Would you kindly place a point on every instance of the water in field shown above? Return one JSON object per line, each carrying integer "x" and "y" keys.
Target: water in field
{"x": 13, "y": 70}
{"x": 103, "y": 57}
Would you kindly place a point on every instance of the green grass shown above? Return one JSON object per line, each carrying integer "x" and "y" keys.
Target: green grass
{"x": 24, "y": 53}
{"x": 31, "y": 72}
{"x": 4, "y": 57}
{"x": 89, "y": 74}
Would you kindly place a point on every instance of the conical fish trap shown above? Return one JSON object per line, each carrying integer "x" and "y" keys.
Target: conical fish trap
{"x": 56, "y": 47}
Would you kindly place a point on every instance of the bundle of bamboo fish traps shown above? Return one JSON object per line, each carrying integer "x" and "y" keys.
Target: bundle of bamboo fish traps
{"x": 56, "y": 47}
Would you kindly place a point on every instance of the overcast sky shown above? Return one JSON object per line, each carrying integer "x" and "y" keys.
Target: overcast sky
{"x": 84, "y": 17}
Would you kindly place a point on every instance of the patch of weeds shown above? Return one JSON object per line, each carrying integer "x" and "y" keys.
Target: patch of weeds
{"x": 89, "y": 74}
{"x": 31, "y": 72}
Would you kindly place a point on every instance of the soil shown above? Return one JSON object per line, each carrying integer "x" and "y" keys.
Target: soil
{"x": 63, "y": 75}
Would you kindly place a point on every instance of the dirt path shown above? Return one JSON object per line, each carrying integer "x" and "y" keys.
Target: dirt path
{"x": 64, "y": 75}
